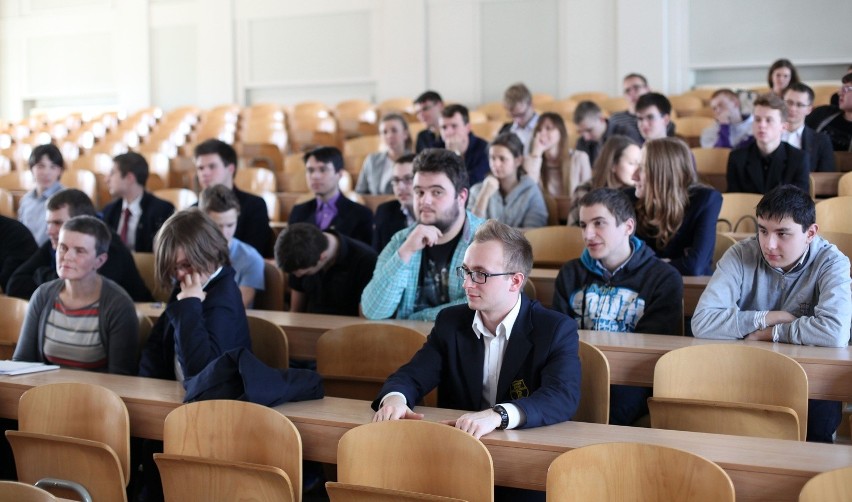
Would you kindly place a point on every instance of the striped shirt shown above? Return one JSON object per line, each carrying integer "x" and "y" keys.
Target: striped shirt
{"x": 72, "y": 338}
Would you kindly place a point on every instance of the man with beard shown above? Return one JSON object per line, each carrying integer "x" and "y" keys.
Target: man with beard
{"x": 414, "y": 276}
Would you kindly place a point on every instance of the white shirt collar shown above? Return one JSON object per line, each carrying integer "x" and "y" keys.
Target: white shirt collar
{"x": 135, "y": 205}
{"x": 505, "y": 325}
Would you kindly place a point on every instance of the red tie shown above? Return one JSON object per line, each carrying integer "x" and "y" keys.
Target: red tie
{"x": 125, "y": 225}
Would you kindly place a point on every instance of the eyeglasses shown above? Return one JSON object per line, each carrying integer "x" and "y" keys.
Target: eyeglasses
{"x": 477, "y": 276}
{"x": 633, "y": 88}
{"x": 845, "y": 89}
{"x": 405, "y": 180}
{"x": 796, "y": 104}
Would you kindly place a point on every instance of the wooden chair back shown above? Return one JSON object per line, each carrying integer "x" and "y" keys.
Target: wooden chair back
{"x": 737, "y": 213}
{"x": 273, "y": 205}
{"x": 272, "y": 297}
{"x": 264, "y": 154}
{"x": 712, "y": 166}
{"x": 395, "y": 105}
{"x": 181, "y": 198}
{"x": 723, "y": 243}
{"x": 344, "y": 492}
{"x": 844, "y": 185}
{"x": 495, "y": 110}
{"x": 381, "y": 348}
{"x": 14, "y": 310}
{"x": 236, "y": 431}
{"x": 269, "y": 342}
{"x": 552, "y": 246}
{"x": 833, "y": 214}
{"x": 730, "y": 380}
{"x": 703, "y": 93}
{"x": 562, "y": 107}
{"x": 486, "y": 130}
{"x": 194, "y": 479}
{"x": 597, "y": 97}
{"x": 17, "y": 181}
{"x": 689, "y": 128}
{"x": 842, "y": 240}
{"x": 614, "y": 105}
{"x": 256, "y": 180}
{"x": 91, "y": 464}
{"x": 145, "y": 265}
{"x": 594, "y": 386}
{"x": 7, "y": 204}
{"x": 540, "y": 98}
{"x": 686, "y": 105}
{"x": 615, "y": 472}
{"x": 82, "y": 180}
{"x": 831, "y": 486}
{"x": 13, "y": 491}
{"x": 370, "y": 455}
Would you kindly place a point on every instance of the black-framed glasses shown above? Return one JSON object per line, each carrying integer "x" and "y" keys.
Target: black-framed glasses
{"x": 477, "y": 276}
{"x": 405, "y": 180}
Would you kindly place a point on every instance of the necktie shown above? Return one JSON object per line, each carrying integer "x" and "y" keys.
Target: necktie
{"x": 124, "y": 225}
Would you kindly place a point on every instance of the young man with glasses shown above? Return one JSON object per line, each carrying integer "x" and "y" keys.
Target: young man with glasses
{"x": 626, "y": 123}
{"x": 428, "y": 107}
{"x": 619, "y": 284}
{"x": 838, "y": 125}
{"x": 518, "y": 103}
{"x": 414, "y": 276}
{"x": 799, "y": 99}
{"x": 505, "y": 358}
{"x": 394, "y": 215}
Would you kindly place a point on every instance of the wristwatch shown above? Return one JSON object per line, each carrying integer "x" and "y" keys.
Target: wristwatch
{"x": 504, "y": 416}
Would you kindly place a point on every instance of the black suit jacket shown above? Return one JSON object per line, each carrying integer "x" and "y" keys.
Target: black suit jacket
{"x": 540, "y": 372}
{"x": 253, "y": 223}
{"x": 352, "y": 220}
{"x": 789, "y": 165}
{"x": 819, "y": 150}
{"x": 389, "y": 220}
{"x": 155, "y": 212}
{"x": 16, "y": 247}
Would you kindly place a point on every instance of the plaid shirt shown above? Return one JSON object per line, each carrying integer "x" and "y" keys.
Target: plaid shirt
{"x": 393, "y": 288}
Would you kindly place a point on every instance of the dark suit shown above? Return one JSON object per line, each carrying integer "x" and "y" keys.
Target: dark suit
{"x": 476, "y": 159}
{"x": 154, "y": 213}
{"x": 253, "y": 223}
{"x": 788, "y": 165}
{"x": 540, "y": 373}
{"x": 352, "y": 219}
{"x": 818, "y": 148}
{"x": 389, "y": 220}
{"x": 16, "y": 247}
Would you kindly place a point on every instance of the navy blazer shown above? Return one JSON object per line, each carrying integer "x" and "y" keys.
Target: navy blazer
{"x": 540, "y": 372}
{"x": 389, "y": 220}
{"x": 819, "y": 150}
{"x": 155, "y": 212}
{"x": 352, "y": 220}
{"x": 746, "y": 174}
{"x": 253, "y": 223}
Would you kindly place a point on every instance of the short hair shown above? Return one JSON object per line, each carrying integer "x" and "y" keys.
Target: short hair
{"x": 603, "y": 175}
{"x": 636, "y": 75}
{"x": 585, "y": 110}
{"x": 299, "y": 247}
{"x": 78, "y": 202}
{"x": 408, "y": 158}
{"x": 52, "y": 152}
{"x": 440, "y": 160}
{"x": 517, "y": 250}
{"x": 428, "y": 96}
{"x": 782, "y": 63}
{"x": 614, "y": 200}
{"x": 801, "y": 87}
{"x": 225, "y": 151}
{"x": 326, "y": 155}
{"x": 654, "y": 99}
{"x": 218, "y": 199}
{"x": 725, "y": 92}
{"x": 202, "y": 242}
{"x": 402, "y": 122}
{"x": 846, "y": 79}
{"x": 93, "y": 226}
{"x": 772, "y": 101}
{"x": 786, "y": 201}
{"x": 517, "y": 93}
{"x": 511, "y": 141}
{"x": 449, "y": 111}
{"x": 132, "y": 162}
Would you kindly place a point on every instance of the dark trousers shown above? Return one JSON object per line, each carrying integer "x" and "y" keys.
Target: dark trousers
{"x": 823, "y": 419}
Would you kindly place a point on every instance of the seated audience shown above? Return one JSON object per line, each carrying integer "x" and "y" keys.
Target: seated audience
{"x": 414, "y": 276}
{"x": 81, "y": 319}
{"x": 221, "y": 206}
{"x": 205, "y": 316}
{"x": 653, "y": 116}
{"x": 328, "y": 271}
{"x": 376, "y": 172}
{"x": 732, "y": 128}
{"x": 518, "y": 103}
{"x": 549, "y": 161}
{"x": 785, "y": 285}
{"x": 676, "y": 214}
{"x": 455, "y": 131}
{"x": 626, "y": 123}
{"x": 136, "y": 215}
{"x": 428, "y": 107}
{"x": 799, "y": 99}
{"x": 767, "y": 162}
{"x": 618, "y": 284}
{"x": 330, "y": 209}
{"x": 507, "y": 194}
{"x": 16, "y": 247}
{"x": 46, "y": 165}
{"x": 614, "y": 168}
{"x": 394, "y": 215}
{"x": 835, "y": 98}
{"x": 216, "y": 164}
{"x": 837, "y": 122}
{"x": 781, "y": 75}
{"x": 41, "y": 266}
{"x": 594, "y": 129}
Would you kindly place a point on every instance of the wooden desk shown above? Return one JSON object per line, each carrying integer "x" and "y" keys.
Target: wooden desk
{"x": 761, "y": 469}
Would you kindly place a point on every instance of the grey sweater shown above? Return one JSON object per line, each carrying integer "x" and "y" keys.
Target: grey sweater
{"x": 117, "y": 323}
{"x": 523, "y": 207}
{"x": 744, "y": 285}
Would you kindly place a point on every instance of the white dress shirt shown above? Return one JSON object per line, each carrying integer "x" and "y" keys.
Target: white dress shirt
{"x": 794, "y": 138}
{"x": 135, "y": 207}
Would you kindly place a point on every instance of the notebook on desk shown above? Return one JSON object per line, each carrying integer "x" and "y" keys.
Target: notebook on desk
{"x": 22, "y": 367}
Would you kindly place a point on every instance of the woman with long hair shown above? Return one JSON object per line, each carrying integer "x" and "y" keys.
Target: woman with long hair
{"x": 375, "y": 176}
{"x": 614, "y": 168}
{"x": 781, "y": 74}
{"x": 676, "y": 214}
{"x": 559, "y": 168}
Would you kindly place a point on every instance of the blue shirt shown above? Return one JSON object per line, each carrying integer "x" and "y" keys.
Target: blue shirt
{"x": 31, "y": 211}
{"x": 248, "y": 265}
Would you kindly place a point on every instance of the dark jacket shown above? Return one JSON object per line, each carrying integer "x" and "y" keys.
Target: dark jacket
{"x": 788, "y": 165}
{"x": 253, "y": 223}
{"x": 155, "y": 212}
{"x": 16, "y": 246}
{"x": 353, "y": 219}
{"x": 389, "y": 220}
{"x": 476, "y": 159}
{"x": 818, "y": 148}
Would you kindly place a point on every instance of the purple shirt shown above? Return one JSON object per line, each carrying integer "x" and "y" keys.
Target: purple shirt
{"x": 326, "y": 211}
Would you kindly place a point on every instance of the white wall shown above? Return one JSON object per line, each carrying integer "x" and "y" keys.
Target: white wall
{"x": 133, "y": 53}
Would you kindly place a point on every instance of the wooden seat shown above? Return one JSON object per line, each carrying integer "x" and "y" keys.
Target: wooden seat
{"x": 495, "y": 110}
{"x": 842, "y": 240}
{"x": 563, "y": 107}
{"x": 374, "y": 455}
{"x": 357, "y": 149}
{"x": 272, "y": 297}
{"x": 356, "y": 117}
{"x": 712, "y": 166}
{"x": 703, "y": 93}
{"x": 597, "y": 97}
{"x": 343, "y": 492}
{"x": 145, "y": 265}
{"x": 594, "y": 387}
{"x": 263, "y": 154}
{"x": 236, "y": 431}
{"x": 831, "y": 486}
{"x": 20, "y": 181}
{"x": 555, "y": 245}
{"x": 541, "y": 98}
{"x": 689, "y": 128}
{"x": 7, "y": 206}
{"x": 14, "y": 310}
{"x": 686, "y": 105}
{"x": 193, "y": 479}
{"x": 616, "y": 472}
{"x": 833, "y": 214}
{"x": 395, "y": 105}
{"x": 255, "y": 180}
{"x": 181, "y": 198}
{"x": 11, "y": 491}
{"x": 486, "y": 130}
{"x": 269, "y": 342}
{"x": 844, "y": 185}
{"x": 615, "y": 105}
{"x": 730, "y": 389}
{"x": 723, "y": 243}
{"x": 738, "y": 212}
{"x": 381, "y": 348}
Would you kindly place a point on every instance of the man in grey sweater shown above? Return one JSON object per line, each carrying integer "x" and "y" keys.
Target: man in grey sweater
{"x": 786, "y": 285}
